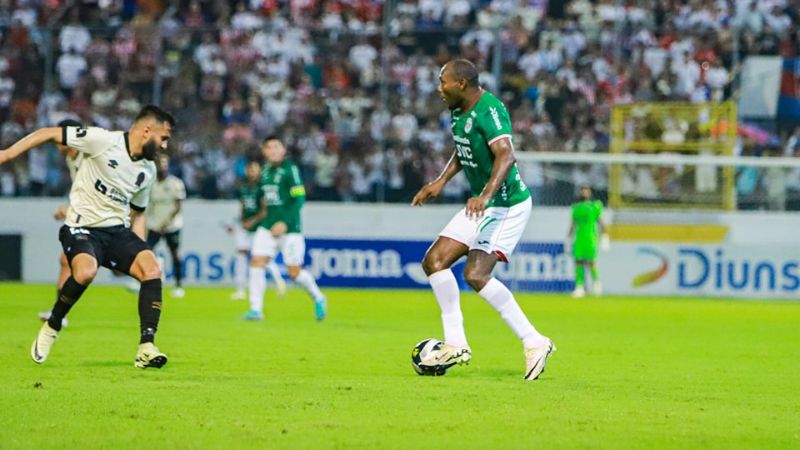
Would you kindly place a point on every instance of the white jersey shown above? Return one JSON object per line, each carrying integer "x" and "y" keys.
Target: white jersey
{"x": 164, "y": 196}
{"x": 73, "y": 164}
{"x": 109, "y": 181}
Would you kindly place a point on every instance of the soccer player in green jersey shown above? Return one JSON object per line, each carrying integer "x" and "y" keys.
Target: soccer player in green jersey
{"x": 488, "y": 229}
{"x": 584, "y": 230}
{"x": 280, "y": 230}
{"x": 253, "y": 210}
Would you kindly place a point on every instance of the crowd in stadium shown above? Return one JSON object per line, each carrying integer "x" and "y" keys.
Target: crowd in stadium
{"x": 311, "y": 72}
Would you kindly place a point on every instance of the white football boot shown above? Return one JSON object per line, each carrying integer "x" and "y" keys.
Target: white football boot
{"x": 535, "y": 359}
{"x": 597, "y": 289}
{"x": 450, "y": 355}
{"x": 240, "y": 294}
{"x": 149, "y": 356}
{"x": 579, "y": 292}
{"x": 43, "y": 343}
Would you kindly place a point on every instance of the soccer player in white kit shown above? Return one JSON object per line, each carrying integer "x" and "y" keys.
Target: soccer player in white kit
{"x": 114, "y": 178}
{"x": 164, "y": 217}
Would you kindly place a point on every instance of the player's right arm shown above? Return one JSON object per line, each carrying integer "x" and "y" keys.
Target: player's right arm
{"x": 30, "y": 141}
{"x": 434, "y": 188}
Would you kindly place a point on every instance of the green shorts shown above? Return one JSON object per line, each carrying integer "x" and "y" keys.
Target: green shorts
{"x": 584, "y": 251}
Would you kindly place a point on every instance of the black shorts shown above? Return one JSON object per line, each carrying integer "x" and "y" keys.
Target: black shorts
{"x": 113, "y": 247}
{"x": 173, "y": 239}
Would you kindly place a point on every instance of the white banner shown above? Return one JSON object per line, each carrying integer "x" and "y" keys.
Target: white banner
{"x": 751, "y": 271}
{"x": 760, "y": 86}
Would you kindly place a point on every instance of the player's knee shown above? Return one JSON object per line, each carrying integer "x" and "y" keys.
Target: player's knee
{"x": 259, "y": 261}
{"x": 476, "y": 278}
{"x": 294, "y": 271}
{"x": 431, "y": 264}
{"x": 84, "y": 275}
{"x": 151, "y": 272}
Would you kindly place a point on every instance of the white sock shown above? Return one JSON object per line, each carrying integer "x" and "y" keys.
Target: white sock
{"x": 275, "y": 272}
{"x": 258, "y": 284}
{"x": 240, "y": 272}
{"x": 503, "y": 301}
{"x": 308, "y": 282}
{"x": 445, "y": 289}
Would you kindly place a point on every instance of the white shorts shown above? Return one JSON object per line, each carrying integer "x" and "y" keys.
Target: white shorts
{"x": 291, "y": 245}
{"x": 244, "y": 239}
{"x": 498, "y": 231}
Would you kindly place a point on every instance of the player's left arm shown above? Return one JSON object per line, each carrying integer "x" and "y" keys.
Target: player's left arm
{"x": 504, "y": 160}
{"x": 30, "y": 141}
{"x": 297, "y": 194}
{"x": 605, "y": 240}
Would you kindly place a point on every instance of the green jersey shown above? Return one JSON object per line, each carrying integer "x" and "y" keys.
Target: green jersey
{"x": 585, "y": 216}
{"x": 250, "y": 198}
{"x": 285, "y": 195}
{"x": 474, "y": 131}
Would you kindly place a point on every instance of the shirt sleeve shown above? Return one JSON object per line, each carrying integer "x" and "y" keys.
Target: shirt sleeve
{"x": 91, "y": 141}
{"x": 180, "y": 189}
{"x": 495, "y": 124}
{"x": 296, "y": 188}
{"x": 141, "y": 199}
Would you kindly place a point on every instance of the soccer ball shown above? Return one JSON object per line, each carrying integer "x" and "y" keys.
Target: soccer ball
{"x": 422, "y": 356}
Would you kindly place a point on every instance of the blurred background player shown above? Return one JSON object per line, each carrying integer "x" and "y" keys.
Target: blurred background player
{"x": 73, "y": 161}
{"x": 253, "y": 211}
{"x": 285, "y": 195}
{"x": 488, "y": 229}
{"x": 582, "y": 239}
{"x": 164, "y": 217}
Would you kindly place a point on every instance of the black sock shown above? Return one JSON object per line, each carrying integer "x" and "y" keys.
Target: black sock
{"x": 178, "y": 268}
{"x": 67, "y": 296}
{"x": 149, "y": 309}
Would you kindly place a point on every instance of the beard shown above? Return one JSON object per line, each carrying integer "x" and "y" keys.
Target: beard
{"x": 150, "y": 150}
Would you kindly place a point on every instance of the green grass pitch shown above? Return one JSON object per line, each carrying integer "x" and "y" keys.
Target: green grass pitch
{"x": 628, "y": 373}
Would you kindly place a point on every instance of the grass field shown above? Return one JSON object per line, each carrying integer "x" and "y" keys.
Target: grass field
{"x": 628, "y": 373}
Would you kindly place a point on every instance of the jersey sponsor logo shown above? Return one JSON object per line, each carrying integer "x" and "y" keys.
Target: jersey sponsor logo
{"x": 113, "y": 163}
{"x": 468, "y": 125}
{"x": 495, "y": 117}
{"x": 112, "y": 193}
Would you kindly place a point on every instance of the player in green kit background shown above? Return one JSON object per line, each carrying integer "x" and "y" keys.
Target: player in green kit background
{"x": 582, "y": 239}
{"x": 285, "y": 195}
{"x": 488, "y": 229}
{"x": 252, "y": 211}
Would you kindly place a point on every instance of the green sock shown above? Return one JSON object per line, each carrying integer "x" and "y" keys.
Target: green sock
{"x": 594, "y": 273}
{"x": 579, "y": 275}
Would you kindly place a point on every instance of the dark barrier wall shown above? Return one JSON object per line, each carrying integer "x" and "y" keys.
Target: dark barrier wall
{"x": 10, "y": 257}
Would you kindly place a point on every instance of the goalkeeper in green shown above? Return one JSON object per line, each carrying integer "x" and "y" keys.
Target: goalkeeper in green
{"x": 584, "y": 232}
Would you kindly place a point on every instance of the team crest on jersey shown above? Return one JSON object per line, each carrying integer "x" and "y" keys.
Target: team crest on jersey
{"x": 468, "y": 125}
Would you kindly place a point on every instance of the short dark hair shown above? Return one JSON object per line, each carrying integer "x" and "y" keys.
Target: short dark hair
{"x": 156, "y": 113}
{"x": 70, "y": 123}
{"x": 271, "y": 137}
{"x": 463, "y": 69}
